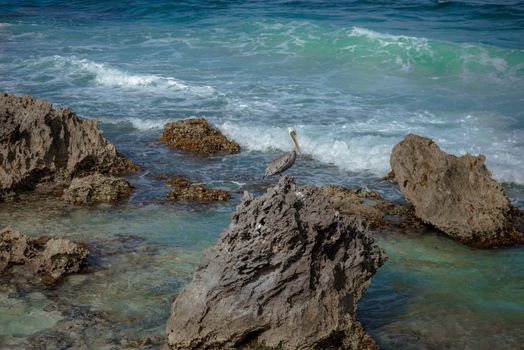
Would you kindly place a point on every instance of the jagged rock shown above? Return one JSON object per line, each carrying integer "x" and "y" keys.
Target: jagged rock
{"x": 286, "y": 274}
{"x": 197, "y": 136}
{"x": 39, "y": 143}
{"x": 97, "y": 188}
{"x": 183, "y": 190}
{"x": 50, "y": 258}
{"x": 455, "y": 194}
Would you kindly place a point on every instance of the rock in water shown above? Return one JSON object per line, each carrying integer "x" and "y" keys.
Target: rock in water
{"x": 50, "y": 258}
{"x": 183, "y": 190}
{"x": 455, "y": 194}
{"x": 97, "y": 188}
{"x": 197, "y": 136}
{"x": 39, "y": 143}
{"x": 286, "y": 274}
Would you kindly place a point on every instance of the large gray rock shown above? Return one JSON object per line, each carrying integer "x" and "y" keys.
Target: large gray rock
{"x": 39, "y": 143}
{"x": 50, "y": 258}
{"x": 97, "y": 188}
{"x": 455, "y": 194}
{"x": 287, "y": 273}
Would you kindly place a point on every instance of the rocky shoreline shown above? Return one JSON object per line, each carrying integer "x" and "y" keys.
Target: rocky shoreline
{"x": 290, "y": 269}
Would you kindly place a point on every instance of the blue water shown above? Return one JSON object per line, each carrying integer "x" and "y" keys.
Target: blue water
{"x": 353, "y": 77}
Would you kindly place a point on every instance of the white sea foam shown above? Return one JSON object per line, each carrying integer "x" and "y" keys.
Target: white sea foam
{"x": 137, "y": 123}
{"x": 366, "y": 146}
{"x": 410, "y": 42}
{"x": 105, "y": 75}
{"x": 346, "y": 154}
{"x": 5, "y": 25}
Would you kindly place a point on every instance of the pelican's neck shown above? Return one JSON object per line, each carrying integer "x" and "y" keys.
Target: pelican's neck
{"x": 296, "y": 147}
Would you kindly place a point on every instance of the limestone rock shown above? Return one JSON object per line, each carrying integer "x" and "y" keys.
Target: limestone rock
{"x": 50, "y": 258}
{"x": 197, "y": 136}
{"x": 286, "y": 274}
{"x": 39, "y": 143}
{"x": 455, "y": 194}
{"x": 97, "y": 188}
{"x": 183, "y": 190}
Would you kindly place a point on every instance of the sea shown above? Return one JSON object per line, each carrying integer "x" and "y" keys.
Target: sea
{"x": 352, "y": 77}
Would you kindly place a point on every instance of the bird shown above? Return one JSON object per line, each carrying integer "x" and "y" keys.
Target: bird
{"x": 286, "y": 161}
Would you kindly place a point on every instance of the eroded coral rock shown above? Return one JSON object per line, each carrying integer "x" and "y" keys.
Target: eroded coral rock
{"x": 197, "y": 136}
{"x": 455, "y": 194}
{"x": 183, "y": 190}
{"x": 39, "y": 143}
{"x": 286, "y": 274}
{"x": 97, "y": 188}
{"x": 50, "y": 258}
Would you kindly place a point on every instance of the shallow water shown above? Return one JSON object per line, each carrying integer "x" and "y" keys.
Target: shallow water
{"x": 353, "y": 77}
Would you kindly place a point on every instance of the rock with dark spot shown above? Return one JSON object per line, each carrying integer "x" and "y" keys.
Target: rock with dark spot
{"x": 455, "y": 194}
{"x": 97, "y": 188}
{"x": 183, "y": 190}
{"x": 41, "y": 144}
{"x": 287, "y": 274}
{"x": 197, "y": 136}
{"x": 50, "y": 258}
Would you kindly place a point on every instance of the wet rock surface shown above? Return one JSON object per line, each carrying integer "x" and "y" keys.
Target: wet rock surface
{"x": 197, "y": 136}
{"x": 40, "y": 144}
{"x": 286, "y": 274}
{"x": 49, "y": 258}
{"x": 455, "y": 194}
{"x": 97, "y": 188}
{"x": 374, "y": 210}
{"x": 183, "y": 190}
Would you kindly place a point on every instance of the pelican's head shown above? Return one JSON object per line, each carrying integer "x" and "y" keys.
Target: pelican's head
{"x": 293, "y": 134}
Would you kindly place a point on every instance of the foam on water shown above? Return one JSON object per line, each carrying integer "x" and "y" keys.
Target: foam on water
{"x": 137, "y": 123}
{"x": 366, "y": 145}
{"x": 106, "y": 76}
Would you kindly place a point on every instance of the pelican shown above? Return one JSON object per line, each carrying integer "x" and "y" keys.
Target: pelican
{"x": 282, "y": 163}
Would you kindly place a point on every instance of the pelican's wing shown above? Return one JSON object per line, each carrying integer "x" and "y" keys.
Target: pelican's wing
{"x": 281, "y": 164}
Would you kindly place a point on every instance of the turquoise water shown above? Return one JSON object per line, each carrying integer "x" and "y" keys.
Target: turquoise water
{"x": 353, "y": 77}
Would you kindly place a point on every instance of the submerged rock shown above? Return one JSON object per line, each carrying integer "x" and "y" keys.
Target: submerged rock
{"x": 197, "y": 136}
{"x": 97, "y": 188}
{"x": 39, "y": 144}
{"x": 50, "y": 258}
{"x": 183, "y": 190}
{"x": 369, "y": 206}
{"x": 286, "y": 274}
{"x": 455, "y": 194}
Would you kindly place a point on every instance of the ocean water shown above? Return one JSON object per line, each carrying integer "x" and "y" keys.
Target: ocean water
{"x": 353, "y": 77}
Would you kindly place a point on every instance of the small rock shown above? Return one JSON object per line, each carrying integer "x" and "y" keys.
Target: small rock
{"x": 183, "y": 190}
{"x": 50, "y": 258}
{"x": 197, "y": 136}
{"x": 455, "y": 194}
{"x": 369, "y": 206}
{"x": 97, "y": 188}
